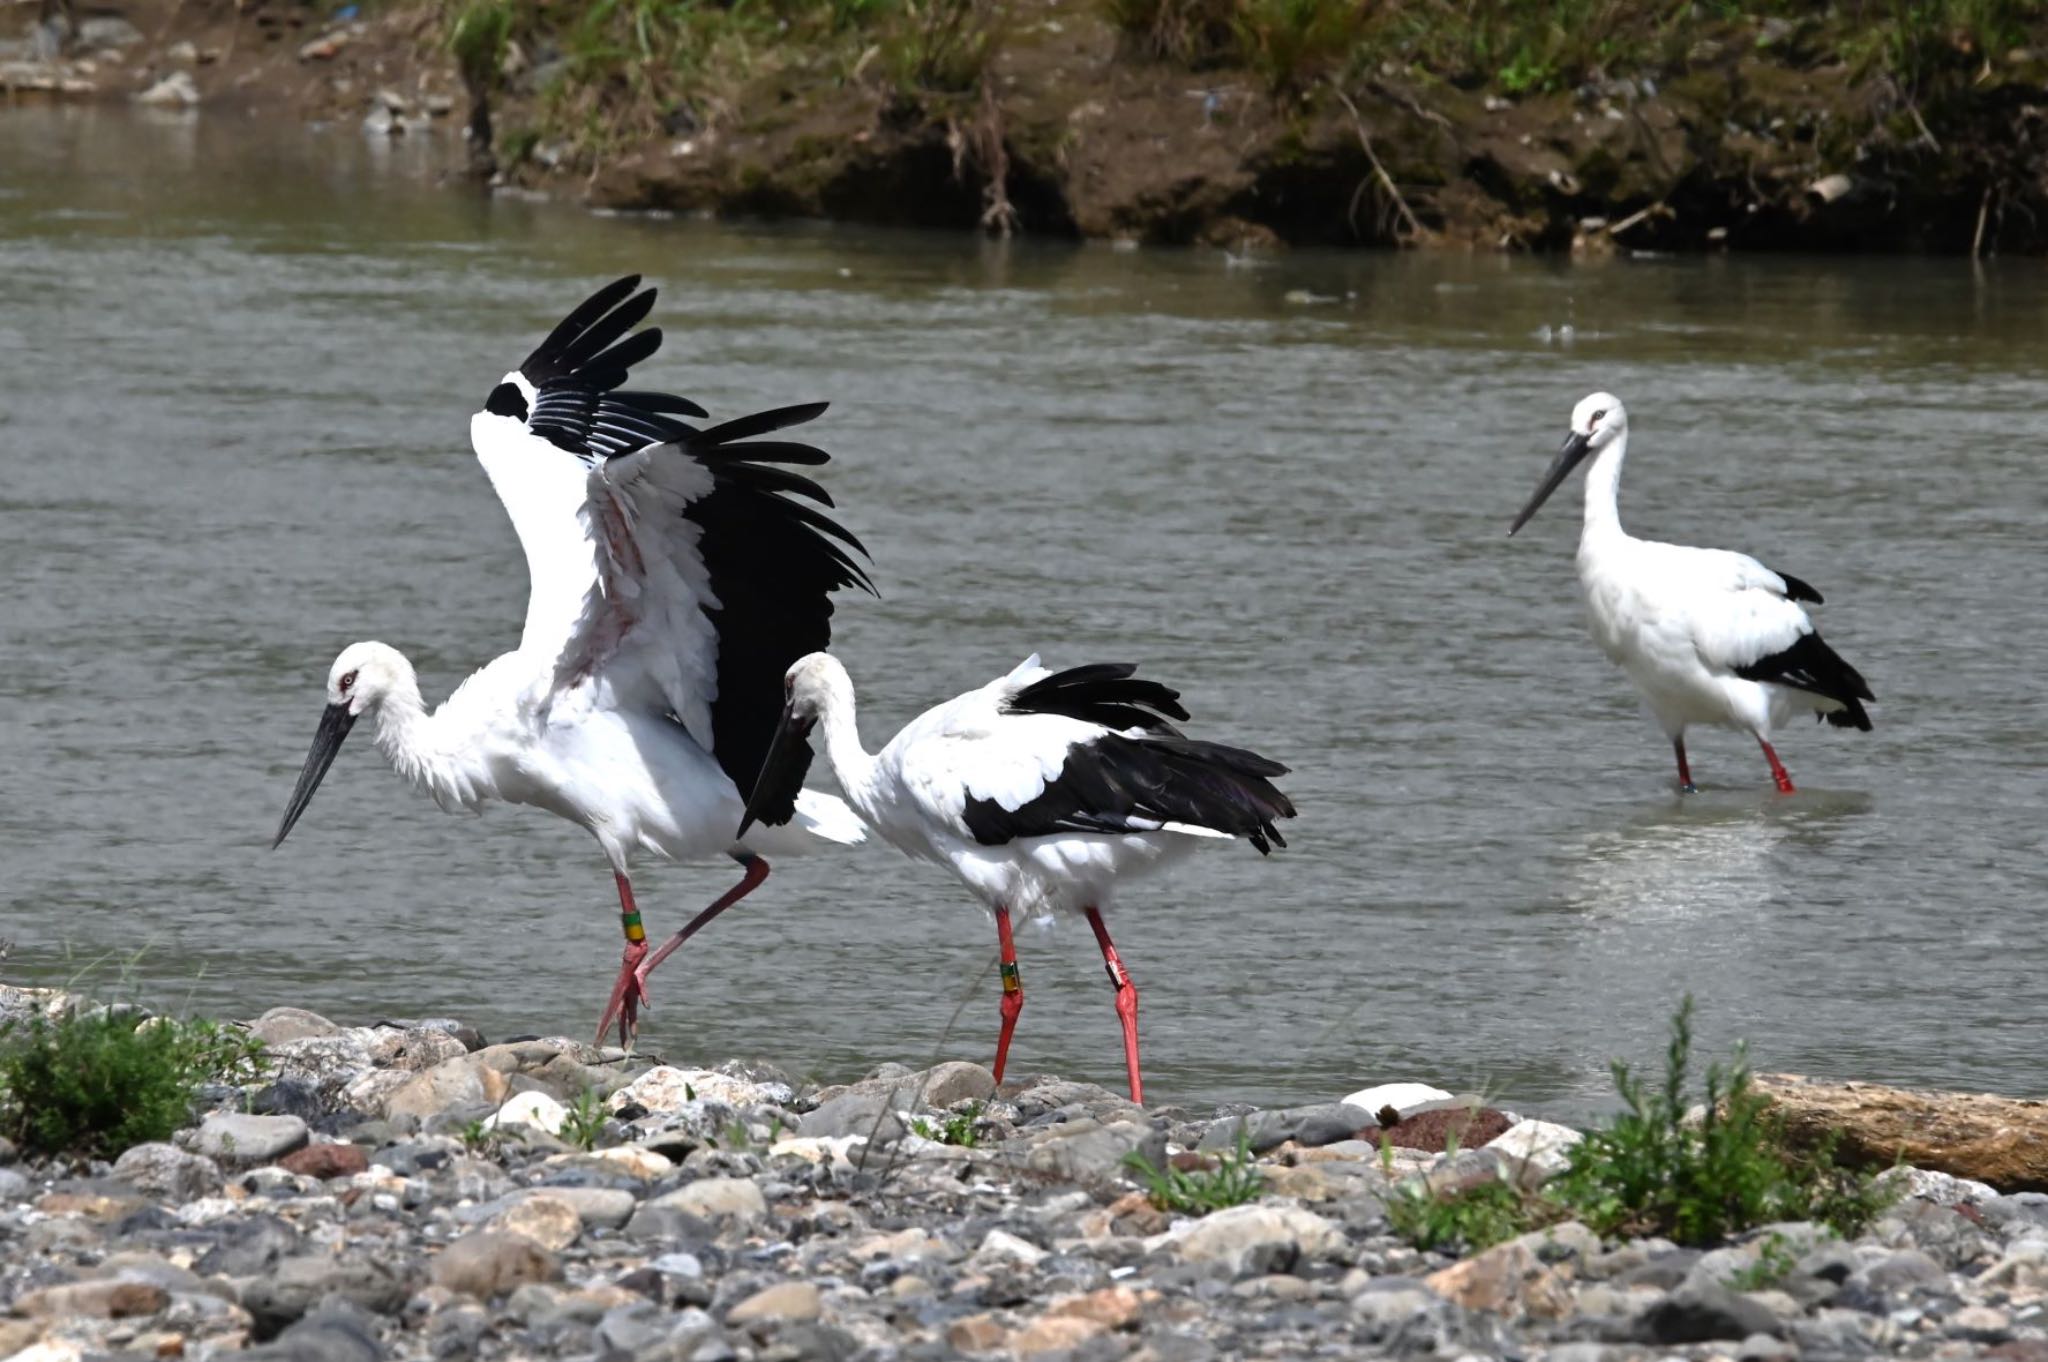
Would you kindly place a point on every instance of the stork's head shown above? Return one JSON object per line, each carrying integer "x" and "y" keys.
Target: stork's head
{"x": 359, "y": 680}
{"x": 1597, "y": 422}
{"x": 813, "y": 684}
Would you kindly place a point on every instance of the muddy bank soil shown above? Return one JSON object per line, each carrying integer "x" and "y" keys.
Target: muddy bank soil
{"x": 1774, "y": 147}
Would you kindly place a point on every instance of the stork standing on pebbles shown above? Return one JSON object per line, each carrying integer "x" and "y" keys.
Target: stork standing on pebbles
{"x": 1040, "y": 790}
{"x": 674, "y": 578}
{"x": 1708, "y": 636}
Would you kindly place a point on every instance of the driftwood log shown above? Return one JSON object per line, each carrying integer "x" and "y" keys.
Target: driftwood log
{"x": 1999, "y": 1140}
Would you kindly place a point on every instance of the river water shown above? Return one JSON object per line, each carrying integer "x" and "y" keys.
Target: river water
{"x": 241, "y": 362}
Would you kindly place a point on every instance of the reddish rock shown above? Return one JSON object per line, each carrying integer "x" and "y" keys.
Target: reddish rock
{"x": 326, "y": 1161}
{"x": 1432, "y": 1131}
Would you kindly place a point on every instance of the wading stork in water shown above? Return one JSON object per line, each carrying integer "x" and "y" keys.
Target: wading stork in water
{"x": 1040, "y": 790}
{"x": 674, "y": 579}
{"x": 1708, "y": 636}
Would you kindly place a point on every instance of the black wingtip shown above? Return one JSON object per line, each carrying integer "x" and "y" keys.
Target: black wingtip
{"x": 577, "y": 345}
{"x": 1797, "y": 590}
{"x": 1106, "y": 693}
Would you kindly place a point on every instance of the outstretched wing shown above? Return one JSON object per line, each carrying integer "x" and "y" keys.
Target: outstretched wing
{"x": 539, "y": 471}
{"x": 673, "y": 568}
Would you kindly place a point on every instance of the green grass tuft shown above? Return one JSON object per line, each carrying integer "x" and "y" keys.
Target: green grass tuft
{"x": 91, "y": 1086}
{"x": 583, "y": 1122}
{"x": 1653, "y": 1171}
{"x": 1234, "y": 1181}
{"x": 956, "y": 1129}
{"x": 1656, "y": 1169}
{"x": 1466, "y": 1220}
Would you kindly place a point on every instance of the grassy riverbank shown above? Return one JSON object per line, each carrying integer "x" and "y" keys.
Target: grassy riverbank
{"x": 1874, "y": 124}
{"x": 1888, "y": 125}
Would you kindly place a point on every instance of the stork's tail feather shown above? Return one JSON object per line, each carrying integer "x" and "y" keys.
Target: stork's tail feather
{"x": 1225, "y": 788}
{"x": 1812, "y": 666}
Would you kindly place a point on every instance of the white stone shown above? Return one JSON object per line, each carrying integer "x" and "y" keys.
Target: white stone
{"x": 1544, "y": 1144}
{"x": 1828, "y": 188}
{"x": 1402, "y": 1097}
{"x": 177, "y": 91}
{"x": 1231, "y": 1235}
{"x": 635, "y": 1161}
{"x": 535, "y": 1109}
{"x": 1001, "y": 1244}
{"x": 50, "y": 1350}
{"x": 1943, "y": 1189}
{"x": 667, "y": 1088}
{"x": 720, "y": 1200}
{"x": 834, "y": 1151}
{"x": 208, "y": 1209}
{"x": 233, "y": 1138}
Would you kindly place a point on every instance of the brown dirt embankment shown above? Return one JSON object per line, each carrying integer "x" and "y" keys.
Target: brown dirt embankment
{"x": 1749, "y": 147}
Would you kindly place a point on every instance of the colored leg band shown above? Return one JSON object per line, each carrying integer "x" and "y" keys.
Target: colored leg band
{"x": 1011, "y": 983}
{"x": 631, "y": 923}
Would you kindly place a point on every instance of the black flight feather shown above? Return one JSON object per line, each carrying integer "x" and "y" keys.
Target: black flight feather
{"x": 662, "y": 402}
{"x": 1796, "y": 590}
{"x": 773, "y": 560}
{"x": 1116, "y": 784}
{"x": 550, "y": 359}
{"x": 1811, "y": 665}
{"x": 1103, "y": 693}
{"x": 762, "y": 422}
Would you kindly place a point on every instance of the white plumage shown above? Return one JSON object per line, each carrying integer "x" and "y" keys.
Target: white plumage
{"x": 672, "y": 579}
{"x": 1708, "y": 636}
{"x": 1039, "y": 790}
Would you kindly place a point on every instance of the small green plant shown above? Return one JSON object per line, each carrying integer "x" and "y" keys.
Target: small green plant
{"x": 478, "y": 31}
{"x": 224, "y": 1054}
{"x": 92, "y": 1085}
{"x": 1652, "y": 1170}
{"x": 1234, "y": 1181}
{"x": 1775, "y": 1258}
{"x": 583, "y": 1122}
{"x": 481, "y": 1137}
{"x": 944, "y": 46}
{"x": 956, "y": 1129}
{"x": 1467, "y": 1219}
{"x": 1291, "y": 43}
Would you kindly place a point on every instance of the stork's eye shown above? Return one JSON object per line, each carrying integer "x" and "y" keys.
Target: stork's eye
{"x": 1596, "y": 418}
{"x": 347, "y": 682}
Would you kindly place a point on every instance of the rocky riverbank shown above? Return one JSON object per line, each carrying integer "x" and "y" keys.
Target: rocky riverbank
{"x": 407, "y": 1190}
{"x": 1758, "y": 131}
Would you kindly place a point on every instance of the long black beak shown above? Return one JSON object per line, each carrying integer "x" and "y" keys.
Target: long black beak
{"x": 782, "y": 774}
{"x": 334, "y": 726}
{"x": 1573, "y": 450}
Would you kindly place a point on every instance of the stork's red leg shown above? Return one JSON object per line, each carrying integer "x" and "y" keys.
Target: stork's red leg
{"x": 1685, "y": 785}
{"x": 1013, "y": 988}
{"x": 1126, "y": 1001}
{"x": 1777, "y": 769}
{"x": 756, "y": 870}
{"x": 629, "y": 992}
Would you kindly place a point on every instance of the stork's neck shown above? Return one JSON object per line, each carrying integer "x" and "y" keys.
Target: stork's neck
{"x": 1603, "y": 492}
{"x": 412, "y": 741}
{"x": 852, "y": 764}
